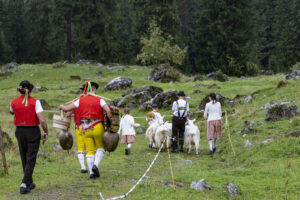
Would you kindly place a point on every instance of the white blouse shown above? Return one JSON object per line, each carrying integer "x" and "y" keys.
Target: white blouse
{"x": 213, "y": 111}
{"x": 127, "y": 125}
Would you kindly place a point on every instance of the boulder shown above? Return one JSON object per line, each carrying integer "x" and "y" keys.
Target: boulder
{"x": 196, "y": 91}
{"x": 163, "y": 100}
{"x": 85, "y": 62}
{"x": 281, "y": 111}
{"x": 10, "y": 66}
{"x": 99, "y": 72}
{"x": 200, "y": 185}
{"x": 213, "y": 86}
{"x": 118, "y": 83}
{"x": 75, "y": 77}
{"x": 212, "y": 75}
{"x": 152, "y": 90}
{"x": 45, "y": 105}
{"x": 232, "y": 189}
{"x": 290, "y": 77}
{"x": 220, "y": 98}
{"x": 141, "y": 130}
{"x": 57, "y": 147}
{"x": 248, "y": 99}
{"x": 39, "y": 88}
{"x": 163, "y": 74}
{"x": 293, "y": 134}
{"x": 297, "y": 72}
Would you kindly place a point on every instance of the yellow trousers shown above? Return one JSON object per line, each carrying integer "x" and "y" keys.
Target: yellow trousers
{"x": 93, "y": 139}
{"x": 80, "y": 139}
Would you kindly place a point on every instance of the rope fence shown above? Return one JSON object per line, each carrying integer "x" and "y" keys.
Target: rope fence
{"x": 140, "y": 180}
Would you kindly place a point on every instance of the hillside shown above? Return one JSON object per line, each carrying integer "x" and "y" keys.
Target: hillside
{"x": 262, "y": 171}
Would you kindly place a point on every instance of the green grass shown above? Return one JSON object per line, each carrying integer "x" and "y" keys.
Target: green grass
{"x": 263, "y": 171}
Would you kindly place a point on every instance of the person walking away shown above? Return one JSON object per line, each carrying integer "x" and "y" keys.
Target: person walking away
{"x": 91, "y": 116}
{"x": 28, "y": 114}
{"x": 214, "y": 124}
{"x": 180, "y": 109}
{"x": 127, "y": 128}
{"x": 79, "y": 136}
{"x": 154, "y": 115}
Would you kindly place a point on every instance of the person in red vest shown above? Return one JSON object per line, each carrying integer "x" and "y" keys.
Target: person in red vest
{"x": 91, "y": 116}
{"x": 79, "y": 137}
{"x": 28, "y": 114}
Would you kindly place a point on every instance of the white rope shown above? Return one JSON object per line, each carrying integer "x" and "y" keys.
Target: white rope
{"x": 140, "y": 180}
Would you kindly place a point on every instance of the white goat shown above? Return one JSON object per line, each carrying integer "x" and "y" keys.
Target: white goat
{"x": 150, "y": 133}
{"x": 191, "y": 136}
{"x": 162, "y": 131}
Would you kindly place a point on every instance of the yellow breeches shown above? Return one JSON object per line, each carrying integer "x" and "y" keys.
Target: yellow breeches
{"x": 93, "y": 139}
{"x": 80, "y": 139}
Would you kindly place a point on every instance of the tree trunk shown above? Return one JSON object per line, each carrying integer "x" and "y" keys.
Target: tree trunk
{"x": 69, "y": 38}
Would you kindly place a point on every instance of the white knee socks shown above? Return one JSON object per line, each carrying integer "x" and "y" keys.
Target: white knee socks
{"x": 210, "y": 144}
{"x": 129, "y": 145}
{"x": 90, "y": 162}
{"x": 98, "y": 156}
{"x": 215, "y": 142}
{"x": 81, "y": 160}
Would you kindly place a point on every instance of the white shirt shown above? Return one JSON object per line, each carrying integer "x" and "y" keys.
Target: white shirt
{"x": 181, "y": 103}
{"x": 157, "y": 117}
{"x": 102, "y": 103}
{"x": 213, "y": 111}
{"x": 38, "y": 107}
{"x": 127, "y": 125}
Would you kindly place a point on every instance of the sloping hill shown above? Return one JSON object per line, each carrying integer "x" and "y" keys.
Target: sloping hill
{"x": 262, "y": 171}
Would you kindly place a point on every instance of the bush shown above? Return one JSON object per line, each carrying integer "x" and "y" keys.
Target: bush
{"x": 221, "y": 77}
{"x": 200, "y": 77}
{"x": 251, "y": 69}
{"x": 296, "y": 66}
{"x": 58, "y": 65}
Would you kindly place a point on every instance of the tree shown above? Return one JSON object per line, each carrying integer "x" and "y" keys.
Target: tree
{"x": 157, "y": 49}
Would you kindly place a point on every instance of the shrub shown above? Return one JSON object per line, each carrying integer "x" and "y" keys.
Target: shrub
{"x": 251, "y": 69}
{"x": 296, "y": 66}
{"x": 220, "y": 76}
{"x": 199, "y": 77}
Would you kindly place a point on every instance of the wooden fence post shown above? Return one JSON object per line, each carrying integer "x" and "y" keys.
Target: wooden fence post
{"x": 3, "y": 153}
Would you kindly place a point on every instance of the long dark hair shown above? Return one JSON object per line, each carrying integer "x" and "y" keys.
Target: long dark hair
{"x": 25, "y": 85}
{"x": 213, "y": 97}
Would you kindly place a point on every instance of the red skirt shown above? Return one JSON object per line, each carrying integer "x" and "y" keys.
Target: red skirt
{"x": 214, "y": 129}
{"x": 128, "y": 139}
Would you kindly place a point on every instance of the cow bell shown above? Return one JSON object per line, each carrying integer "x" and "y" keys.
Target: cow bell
{"x": 110, "y": 141}
{"x": 66, "y": 140}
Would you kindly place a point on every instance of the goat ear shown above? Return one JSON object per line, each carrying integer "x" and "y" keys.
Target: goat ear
{"x": 193, "y": 120}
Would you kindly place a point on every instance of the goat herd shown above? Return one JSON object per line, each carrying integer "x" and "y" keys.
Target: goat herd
{"x": 156, "y": 133}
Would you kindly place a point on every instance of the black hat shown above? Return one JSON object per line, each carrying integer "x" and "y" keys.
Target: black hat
{"x": 154, "y": 105}
{"x": 26, "y": 85}
{"x": 181, "y": 94}
{"x": 92, "y": 83}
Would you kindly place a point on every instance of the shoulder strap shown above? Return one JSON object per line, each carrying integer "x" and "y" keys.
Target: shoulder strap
{"x": 184, "y": 109}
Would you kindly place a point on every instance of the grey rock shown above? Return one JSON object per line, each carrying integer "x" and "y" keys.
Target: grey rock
{"x": 110, "y": 67}
{"x": 57, "y": 147}
{"x": 248, "y": 144}
{"x": 213, "y": 86}
{"x": 10, "y": 66}
{"x": 196, "y": 91}
{"x": 248, "y": 99}
{"x": 297, "y": 72}
{"x": 243, "y": 77}
{"x": 199, "y": 85}
{"x": 141, "y": 130}
{"x": 212, "y": 75}
{"x": 163, "y": 74}
{"x": 99, "y": 72}
{"x": 245, "y": 135}
{"x": 45, "y": 105}
{"x": 118, "y": 83}
{"x": 62, "y": 87}
{"x": 85, "y": 62}
{"x": 200, "y": 185}
{"x": 290, "y": 77}
{"x": 39, "y": 88}
{"x": 151, "y": 90}
{"x": 267, "y": 140}
{"x": 75, "y": 77}
{"x": 232, "y": 189}
{"x": 163, "y": 100}
{"x": 281, "y": 111}
{"x": 250, "y": 126}
{"x": 293, "y": 134}
{"x": 99, "y": 64}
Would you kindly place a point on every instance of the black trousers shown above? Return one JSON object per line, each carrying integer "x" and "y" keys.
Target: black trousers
{"x": 178, "y": 128}
{"x": 29, "y": 142}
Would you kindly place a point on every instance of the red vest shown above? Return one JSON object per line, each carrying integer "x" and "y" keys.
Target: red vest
{"x": 89, "y": 108}
{"x": 25, "y": 116}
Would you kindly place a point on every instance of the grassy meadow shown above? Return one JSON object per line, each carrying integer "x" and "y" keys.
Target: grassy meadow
{"x": 263, "y": 171}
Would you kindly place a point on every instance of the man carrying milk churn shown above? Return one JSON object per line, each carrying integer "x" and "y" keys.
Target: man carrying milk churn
{"x": 28, "y": 114}
{"x": 180, "y": 109}
{"x": 91, "y": 114}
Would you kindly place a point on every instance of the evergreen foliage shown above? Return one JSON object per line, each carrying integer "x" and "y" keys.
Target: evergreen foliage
{"x": 221, "y": 35}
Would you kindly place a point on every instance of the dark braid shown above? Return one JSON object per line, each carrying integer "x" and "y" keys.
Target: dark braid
{"x": 213, "y": 96}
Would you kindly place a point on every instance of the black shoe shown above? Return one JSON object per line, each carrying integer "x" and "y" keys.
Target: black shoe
{"x": 214, "y": 149}
{"x": 174, "y": 151}
{"x": 24, "y": 190}
{"x": 83, "y": 171}
{"x": 180, "y": 148}
{"x": 31, "y": 186}
{"x": 211, "y": 152}
{"x": 92, "y": 176}
{"x": 96, "y": 171}
{"x": 126, "y": 151}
